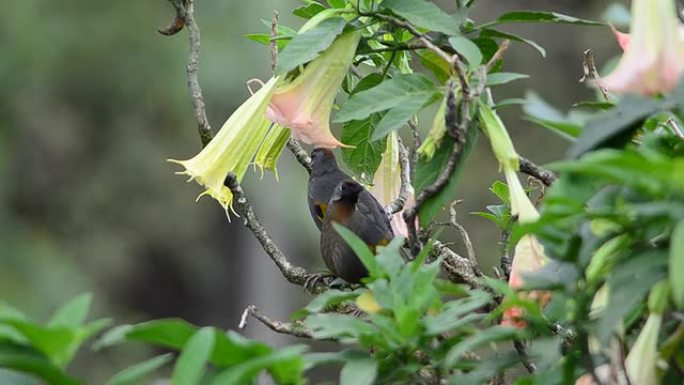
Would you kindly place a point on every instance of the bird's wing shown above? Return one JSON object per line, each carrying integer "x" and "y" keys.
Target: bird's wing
{"x": 370, "y": 222}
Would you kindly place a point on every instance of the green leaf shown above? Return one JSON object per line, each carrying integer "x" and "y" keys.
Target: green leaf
{"x": 360, "y": 249}
{"x": 480, "y": 338}
{"x": 433, "y": 62}
{"x": 646, "y": 269}
{"x": 492, "y": 33}
{"x": 544, "y": 114}
{"x": 338, "y": 326}
{"x": 134, "y": 374}
{"x": 468, "y": 50}
{"x": 306, "y": 46}
{"x": 359, "y": 372}
{"x": 245, "y": 372}
{"x": 677, "y": 264}
{"x": 615, "y": 126}
{"x": 328, "y": 298}
{"x": 424, "y": 14}
{"x": 52, "y": 342}
{"x": 363, "y": 159}
{"x": 399, "y": 115}
{"x": 309, "y": 10}
{"x": 73, "y": 314}
{"x": 193, "y": 358}
{"x": 538, "y": 17}
{"x": 27, "y": 360}
{"x": 229, "y": 348}
{"x": 337, "y": 3}
{"x": 499, "y": 78}
{"x": 427, "y": 172}
{"x": 388, "y": 94}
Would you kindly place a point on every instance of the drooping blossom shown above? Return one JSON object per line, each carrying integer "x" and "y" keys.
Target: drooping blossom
{"x": 387, "y": 183}
{"x": 654, "y": 51}
{"x": 271, "y": 148}
{"x": 233, "y": 147}
{"x": 436, "y": 134}
{"x": 529, "y": 253}
{"x": 304, "y": 104}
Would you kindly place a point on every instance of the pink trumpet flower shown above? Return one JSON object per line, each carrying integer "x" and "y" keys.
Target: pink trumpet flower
{"x": 304, "y": 104}
{"x": 654, "y": 51}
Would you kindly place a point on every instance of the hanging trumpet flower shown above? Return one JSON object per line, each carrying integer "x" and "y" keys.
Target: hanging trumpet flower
{"x": 436, "y": 134}
{"x": 304, "y": 104}
{"x": 233, "y": 148}
{"x": 529, "y": 253}
{"x": 654, "y": 51}
{"x": 387, "y": 183}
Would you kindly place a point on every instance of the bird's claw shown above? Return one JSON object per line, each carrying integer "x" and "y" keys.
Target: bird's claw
{"x": 313, "y": 280}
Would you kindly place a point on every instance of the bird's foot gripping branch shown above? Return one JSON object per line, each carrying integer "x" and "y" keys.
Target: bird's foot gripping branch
{"x": 588, "y": 286}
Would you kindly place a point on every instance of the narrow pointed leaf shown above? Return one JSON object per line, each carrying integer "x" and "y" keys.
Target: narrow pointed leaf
{"x": 305, "y": 46}
{"x": 424, "y": 14}
{"x": 196, "y": 352}
{"x": 135, "y": 374}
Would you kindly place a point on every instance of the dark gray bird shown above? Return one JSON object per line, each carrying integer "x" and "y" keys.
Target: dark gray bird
{"x": 353, "y": 207}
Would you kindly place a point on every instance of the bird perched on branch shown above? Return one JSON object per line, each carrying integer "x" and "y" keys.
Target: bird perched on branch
{"x": 353, "y": 207}
{"x": 325, "y": 175}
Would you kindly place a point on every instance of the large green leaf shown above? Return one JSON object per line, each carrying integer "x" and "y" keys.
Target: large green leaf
{"x": 245, "y": 372}
{"x": 538, "y": 17}
{"x": 136, "y": 373}
{"x": 544, "y": 114}
{"x": 364, "y": 158}
{"x": 229, "y": 348}
{"x": 615, "y": 127}
{"x": 74, "y": 313}
{"x": 424, "y": 14}
{"x": 493, "y": 33}
{"x": 360, "y": 248}
{"x": 359, "y": 372}
{"x": 480, "y": 338}
{"x": 427, "y": 172}
{"x": 468, "y": 50}
{"x": 305, "y": 46}
{"x": 499, "y": 78}
{"x": 677, "y": 264}
{"x": 388, "y": 94}
{"x": 196, "y": 352}
{"x": 27, "y": 360}
{"x": 309, "y": 10}
{"x": 397, "y": 116}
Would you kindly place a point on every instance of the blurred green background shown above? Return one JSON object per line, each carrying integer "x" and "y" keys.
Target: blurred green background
{"x": 93, "y": 102}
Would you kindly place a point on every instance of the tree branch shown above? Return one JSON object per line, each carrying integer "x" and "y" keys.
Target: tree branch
{"x": 398, "y": 204}
{"x": 185, "y": 15}
{"x": 294, "y": 274}
{"x": 458, "y": 269}
{"x": 530, "y": 168}
{"x": 293, "y": 329}
{"x": 458, "y": 131}
{"x": 300, "y": 153}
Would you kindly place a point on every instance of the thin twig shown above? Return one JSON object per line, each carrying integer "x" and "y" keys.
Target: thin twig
{"x": 530, "y": 168}
{"x": 522, "y": 351}
{"x": 458, "y": 268}
{"x": 675, "y": 127}
{"x": 470, "y": 250}
{"x": 178, "y": 21}
{"x": 293, "y": 329}
{"x": 498, "y": 55}
{"x": 590, "y": 72}
{"x": 300, "y": 153}
{"x": 192, "y": 68}
{"x": 398, "y": 204}
{"x": 274, "y": 42}
{"x": 294, "y": 274}
{"x": 458, "y": 131}
{"x": 505, "y": 257}
{"x": 415, "y": 133}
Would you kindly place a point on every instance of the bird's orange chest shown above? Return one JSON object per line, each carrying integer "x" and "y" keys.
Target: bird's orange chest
{"x": 340, "y": 212}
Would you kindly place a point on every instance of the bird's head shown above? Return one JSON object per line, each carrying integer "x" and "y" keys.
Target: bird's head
{"x": 322, "y": 161}
{"x": 347, "y": 191}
